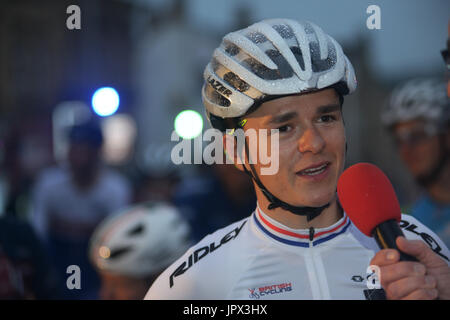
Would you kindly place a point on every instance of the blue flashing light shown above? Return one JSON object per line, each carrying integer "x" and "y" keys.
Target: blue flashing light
{"x": 105, "y": 101}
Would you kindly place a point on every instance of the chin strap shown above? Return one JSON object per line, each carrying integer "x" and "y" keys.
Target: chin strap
{"x": 309, "y": 212}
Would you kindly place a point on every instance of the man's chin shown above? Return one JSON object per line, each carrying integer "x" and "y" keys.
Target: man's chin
{"x": 316, "y": 199}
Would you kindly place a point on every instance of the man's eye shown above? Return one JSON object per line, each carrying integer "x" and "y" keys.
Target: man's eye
{"x": 284, "y": 128}
{"x": 327, "y": 118}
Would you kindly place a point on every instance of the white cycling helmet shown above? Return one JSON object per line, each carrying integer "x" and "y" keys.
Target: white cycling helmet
{"x": 418, "y": 98}
{"x": 270, "y": 59}
{"x": 140, "y": 241}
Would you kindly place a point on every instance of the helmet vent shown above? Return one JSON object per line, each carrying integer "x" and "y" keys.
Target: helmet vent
{"x": 217, "y": 98}
{"x": 117, "y": 253}
{"x": 236, "y": 82}
{"x": 283, "y": 71}
{"x": 257, "y": 37}
{"x": 136, "y": 230}
{"x": 318, "y": 64}
{"x": 298, "y": 56}
{"x": 232, "y": 49}
{"x": 284, "y": 31}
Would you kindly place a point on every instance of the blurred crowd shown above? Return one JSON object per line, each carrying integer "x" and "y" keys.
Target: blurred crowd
{"x": 84, "y": 213}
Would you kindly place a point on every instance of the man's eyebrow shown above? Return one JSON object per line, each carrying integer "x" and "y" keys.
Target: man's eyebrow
{"x": 281, "y": 118}
{"x": 328, "y": 108}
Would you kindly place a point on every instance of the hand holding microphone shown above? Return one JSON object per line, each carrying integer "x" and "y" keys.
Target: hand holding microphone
{"x": 409, "y": 269}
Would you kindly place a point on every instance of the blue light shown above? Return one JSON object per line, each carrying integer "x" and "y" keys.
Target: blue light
{"x": 105, "y": 101}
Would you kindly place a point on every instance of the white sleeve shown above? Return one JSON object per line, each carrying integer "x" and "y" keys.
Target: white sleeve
{"x": 415, "y": 230}
{"x": 207, "y": 271}
{"x": 170, "y": 285}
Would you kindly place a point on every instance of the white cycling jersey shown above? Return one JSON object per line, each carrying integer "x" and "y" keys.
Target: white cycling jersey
{"x": 259, "y": 258}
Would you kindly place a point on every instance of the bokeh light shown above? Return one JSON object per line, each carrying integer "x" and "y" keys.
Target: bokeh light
{"x": 105, "y": 101}
{"x": 188, "y": 124}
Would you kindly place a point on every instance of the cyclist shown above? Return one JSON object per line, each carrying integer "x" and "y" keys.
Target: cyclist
{"x": 291, "y": 77}
{"x": 418, "y": 117}
{"x": 70, "y": 200}
{"x": 131, "y": 248}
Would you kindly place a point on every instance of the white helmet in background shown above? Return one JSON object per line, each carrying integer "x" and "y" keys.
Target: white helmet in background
{"x": 271, "y": 59}
{"x": 418, "y": 98}
{"x": 140, "y": 241}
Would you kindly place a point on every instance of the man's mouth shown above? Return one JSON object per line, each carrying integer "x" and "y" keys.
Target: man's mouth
{"x": 314, "y": 170}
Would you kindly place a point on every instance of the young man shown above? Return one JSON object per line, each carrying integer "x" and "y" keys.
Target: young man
{"x": 418, "y": 117}
{"x": 298, "y": 243}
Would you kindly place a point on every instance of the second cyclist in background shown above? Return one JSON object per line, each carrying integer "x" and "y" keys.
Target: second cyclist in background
{"x": 131, "y": 248}
{"x": 418, "y": 117}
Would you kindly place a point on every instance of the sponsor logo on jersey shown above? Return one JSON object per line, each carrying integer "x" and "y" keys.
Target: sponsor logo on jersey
{"x": 432, "y": 243}
{"x": 373, "y": 277}
{"x": 202, "y": 252}
{"x": 357, "y": 278}
{"x": 256, "y": 293}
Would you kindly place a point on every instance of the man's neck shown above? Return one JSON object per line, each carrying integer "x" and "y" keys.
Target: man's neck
{"x": 328, "y": 217}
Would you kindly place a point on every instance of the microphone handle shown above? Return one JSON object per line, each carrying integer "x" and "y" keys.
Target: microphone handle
{"x": 386, "y": 233}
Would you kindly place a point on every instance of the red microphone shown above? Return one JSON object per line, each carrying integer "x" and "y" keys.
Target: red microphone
{"x": 368, "y": 198}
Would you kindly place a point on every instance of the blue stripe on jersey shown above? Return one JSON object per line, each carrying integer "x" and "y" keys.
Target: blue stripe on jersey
{"x": 293, "y": 243}
{"x": 332, "y": 236}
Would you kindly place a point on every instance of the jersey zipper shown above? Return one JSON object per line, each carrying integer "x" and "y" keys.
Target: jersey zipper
{"x": 316, "y": 292}
{"x": 311, "y": 236}
{"x": 320, "y": 277}
{"x": 317, "y": 273}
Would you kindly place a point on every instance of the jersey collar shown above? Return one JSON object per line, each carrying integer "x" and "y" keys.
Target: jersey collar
{"x": 298, "y": 237}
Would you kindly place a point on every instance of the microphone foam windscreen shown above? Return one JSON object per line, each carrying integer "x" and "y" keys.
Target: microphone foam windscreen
{"x": 367, "y": 196}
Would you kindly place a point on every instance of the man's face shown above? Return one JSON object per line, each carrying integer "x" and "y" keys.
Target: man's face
{"x": 83, "y": 157}
{"x": 311, "y": 136}
{"x": 419, "y": 147}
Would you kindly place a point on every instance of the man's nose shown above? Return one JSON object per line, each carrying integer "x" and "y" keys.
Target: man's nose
{"x": 311, "y": 141}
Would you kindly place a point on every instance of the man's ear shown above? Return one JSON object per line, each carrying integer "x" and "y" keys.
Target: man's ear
{"x": 231, "y": 152}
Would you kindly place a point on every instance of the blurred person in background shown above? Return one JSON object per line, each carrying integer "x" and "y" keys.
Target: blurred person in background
{"x": 418, "y": 117}
{"x": 25, "y": 271}
{"x": 17, "y": 180}
{"x": 214, "y": 200}
{"x": 132, "y": 248}
{"x": 446, "y": 57}
{"x": 155, "y": 187}
{"x": 69, "y": 202}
